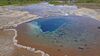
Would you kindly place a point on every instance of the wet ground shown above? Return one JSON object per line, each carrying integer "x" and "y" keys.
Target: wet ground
{"x": 7, "y": 47}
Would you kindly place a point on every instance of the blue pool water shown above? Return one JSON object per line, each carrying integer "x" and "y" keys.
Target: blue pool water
{"x": 69, "y": 31}
{"x": 51, "y": 23}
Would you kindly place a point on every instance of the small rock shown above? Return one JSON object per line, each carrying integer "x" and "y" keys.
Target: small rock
{"x": 81, "y": 48}
{"x": 99, "y": 27}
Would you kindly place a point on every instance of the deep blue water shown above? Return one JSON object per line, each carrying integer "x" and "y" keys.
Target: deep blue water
{"x": 51, "y": 23}
{"x": 76, "y": 23}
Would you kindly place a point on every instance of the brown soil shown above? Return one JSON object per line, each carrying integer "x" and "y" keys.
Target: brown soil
{"x": 92, "y": 50}
{"x": 51, "y": 50}
{"x": 24, "y": 52}
{"x": 6, "y": 41}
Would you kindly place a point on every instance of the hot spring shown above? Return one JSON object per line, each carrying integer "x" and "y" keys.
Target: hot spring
{"x": 60, "y": 32}
{"x": 57, "y": 34}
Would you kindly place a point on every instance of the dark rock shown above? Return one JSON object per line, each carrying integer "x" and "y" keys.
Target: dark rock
{"x": 58, "y": 50}
{"x": 76, "y": 40}
{"x": 61, "y": 45}
{"x": 85, "y": 44}
{"x": 81, "y": 48}
{"x": 99, "y": 27}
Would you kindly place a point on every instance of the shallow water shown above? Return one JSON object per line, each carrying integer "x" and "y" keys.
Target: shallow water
{"x": 62, "y": 33}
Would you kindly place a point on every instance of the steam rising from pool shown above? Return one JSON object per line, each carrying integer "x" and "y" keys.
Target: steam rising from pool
{"x": 46, "y": 9}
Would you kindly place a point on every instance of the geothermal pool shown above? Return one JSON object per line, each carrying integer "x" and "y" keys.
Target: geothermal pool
{"x": 60, "y": 35}
{"x": 50, "y": 23}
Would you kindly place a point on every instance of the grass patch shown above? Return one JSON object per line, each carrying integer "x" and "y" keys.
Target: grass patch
{"x": 88, "y": 1}
{"x": 57, "y": 2}
{"x": 18, "y": 2}
{"x": 89, "y": 5}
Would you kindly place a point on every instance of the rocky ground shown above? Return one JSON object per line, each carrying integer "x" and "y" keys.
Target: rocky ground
{"x": 93, "y": 13}
{"x": 13, "y": 18}
{"x": 7, "y": 48}
{"x": 8, "y": 20}
{"x": 46, "y": 9}
{"x": 89, "y": 8}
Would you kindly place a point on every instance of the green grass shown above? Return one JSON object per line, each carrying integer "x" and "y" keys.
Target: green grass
{"x": 93, "y": 4}
{"x": 55, "y": 2}
{"x": 18, "y": 2}
{"x": 88, "y": 1}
